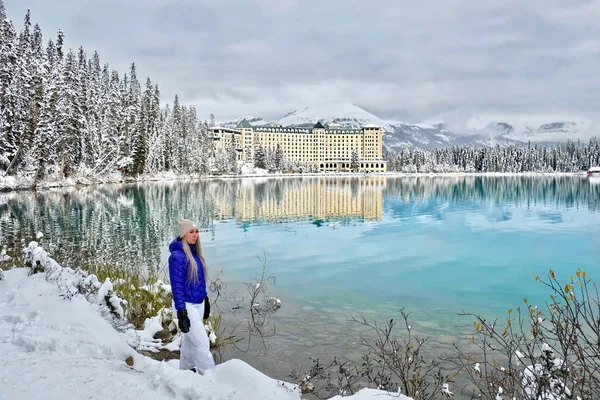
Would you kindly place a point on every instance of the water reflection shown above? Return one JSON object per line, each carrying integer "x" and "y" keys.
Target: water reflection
{"x": 128, "y": 224}
{"x": 117, "y": 224}
{"x": 278, "y": 200}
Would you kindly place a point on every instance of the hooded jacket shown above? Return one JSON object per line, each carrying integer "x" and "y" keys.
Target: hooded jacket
{"x": 183, "y": 290}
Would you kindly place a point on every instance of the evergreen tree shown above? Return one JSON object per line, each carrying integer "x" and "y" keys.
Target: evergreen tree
{"x": 260, "y": 157}
{"x": 70, "y": 116}
{"x": 231, "y": 158}
{"x": 354, "y": 161}
{"x": 221, "y": 163}
{"x": 278, "y": 159}
{"x": 9, "y": 135}
{"x": 61, "y": 111}
{"x": 6, "y": 57}
{"x": 248, "y": 151}
{"x": 145, "y": 129}
{"x": 155, "y": 157}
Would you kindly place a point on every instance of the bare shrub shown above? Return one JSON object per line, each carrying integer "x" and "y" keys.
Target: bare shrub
{"x": 542, "y": 354}
{"x": 252, "y": 312}
{"x": 396, "y": 364}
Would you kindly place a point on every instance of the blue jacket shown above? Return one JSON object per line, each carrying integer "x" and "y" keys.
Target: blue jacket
{"x": 183, "y": 290}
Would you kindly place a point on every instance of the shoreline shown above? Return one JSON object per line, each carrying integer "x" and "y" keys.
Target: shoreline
{"x": 11, "y": 183}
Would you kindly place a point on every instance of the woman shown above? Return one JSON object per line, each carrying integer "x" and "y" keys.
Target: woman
{"x": 187, "y": 271}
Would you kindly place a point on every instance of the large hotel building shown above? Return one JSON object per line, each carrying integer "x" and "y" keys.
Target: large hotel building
{"x": 328, "y": 148}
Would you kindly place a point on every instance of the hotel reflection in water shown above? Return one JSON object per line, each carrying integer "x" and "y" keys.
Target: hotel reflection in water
{"x": 280, "y": 200}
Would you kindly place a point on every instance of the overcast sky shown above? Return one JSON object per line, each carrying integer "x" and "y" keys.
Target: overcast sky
{"x": 410, "y": 60}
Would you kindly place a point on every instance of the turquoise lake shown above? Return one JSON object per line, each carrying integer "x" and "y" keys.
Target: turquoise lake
{"x": 339, "y": 247}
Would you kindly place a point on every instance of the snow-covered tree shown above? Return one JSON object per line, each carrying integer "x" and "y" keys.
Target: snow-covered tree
{"x": 231, "y": 158}
{"x": 260, "y": 157}
{"x": 278, "y": 158}
{"x": 354, "y": 161}
{"x": 63, "y": 112}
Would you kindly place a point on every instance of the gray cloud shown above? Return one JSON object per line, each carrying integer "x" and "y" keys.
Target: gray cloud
{"x": 397, "y": 59}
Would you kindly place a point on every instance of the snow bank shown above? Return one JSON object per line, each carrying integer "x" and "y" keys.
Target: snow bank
{"x": 56, "y": 341}
{"x": 8, "y": 183}
{"x": 67, "y": 350}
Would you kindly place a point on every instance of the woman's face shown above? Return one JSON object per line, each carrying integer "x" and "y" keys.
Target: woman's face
{"x": 191, "y": 236}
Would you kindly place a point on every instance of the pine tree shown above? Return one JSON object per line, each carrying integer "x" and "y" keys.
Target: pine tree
{"x": 221, "y": 164}
{"x": 43, "y": 135}
{"x": 155, "y": 157}
{"x": 231, "y": 154}
{"x": 260, "y": 158}
{"x": 145, "y": 129}
{"x": 70, "y": 116}
{"x": 354, "y": 161}
{"x": 137, "y": 139}
{"x": 9, "y": 136}
{"x": 278, "y": 159}
{"x": 61, "y": 111}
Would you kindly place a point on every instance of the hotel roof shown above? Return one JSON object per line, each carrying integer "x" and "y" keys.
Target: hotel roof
{"x": 273, "y": 129}
{"x": 278, "y": 129}
{"x": 336, "y": 131}
{"x": 244, "y": 124}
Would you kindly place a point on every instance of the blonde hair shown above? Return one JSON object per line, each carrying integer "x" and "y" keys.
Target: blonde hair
{"x": 193, "y": 269}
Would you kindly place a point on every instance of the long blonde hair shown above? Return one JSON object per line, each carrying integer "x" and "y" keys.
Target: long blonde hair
{"x": 193, "y": 269}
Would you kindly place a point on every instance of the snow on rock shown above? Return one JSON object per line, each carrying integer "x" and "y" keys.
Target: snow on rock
{"x": 153, "y": 325}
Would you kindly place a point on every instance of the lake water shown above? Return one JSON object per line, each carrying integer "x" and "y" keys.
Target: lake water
{"x": 339, "y": 247}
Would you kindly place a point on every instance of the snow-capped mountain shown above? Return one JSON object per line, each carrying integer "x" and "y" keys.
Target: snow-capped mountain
{"x": 553, "y": 132}
{"x": 346, "y": 114}
{"x": 254, "y": 121}
{"x": 396, "y": 133}
{"x": 498, "y": 129}
{"x": 437, "y": 136}
{"x": 454, "y": 130}
{"x": 421, "y": 136}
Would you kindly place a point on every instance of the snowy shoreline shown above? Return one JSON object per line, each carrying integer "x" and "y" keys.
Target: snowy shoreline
{"x": 56, "y": 332}
{"x": 11, "y": 183}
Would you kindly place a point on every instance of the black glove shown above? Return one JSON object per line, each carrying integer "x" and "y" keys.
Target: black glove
{"x": 206, "y": 308}
{"x": 183, "y": 321}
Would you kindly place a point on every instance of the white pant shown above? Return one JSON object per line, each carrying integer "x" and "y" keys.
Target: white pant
{"x": 195, "y": 346}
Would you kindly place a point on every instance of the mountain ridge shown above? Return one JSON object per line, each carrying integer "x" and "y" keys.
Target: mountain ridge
{"x": 397, "y": 134}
